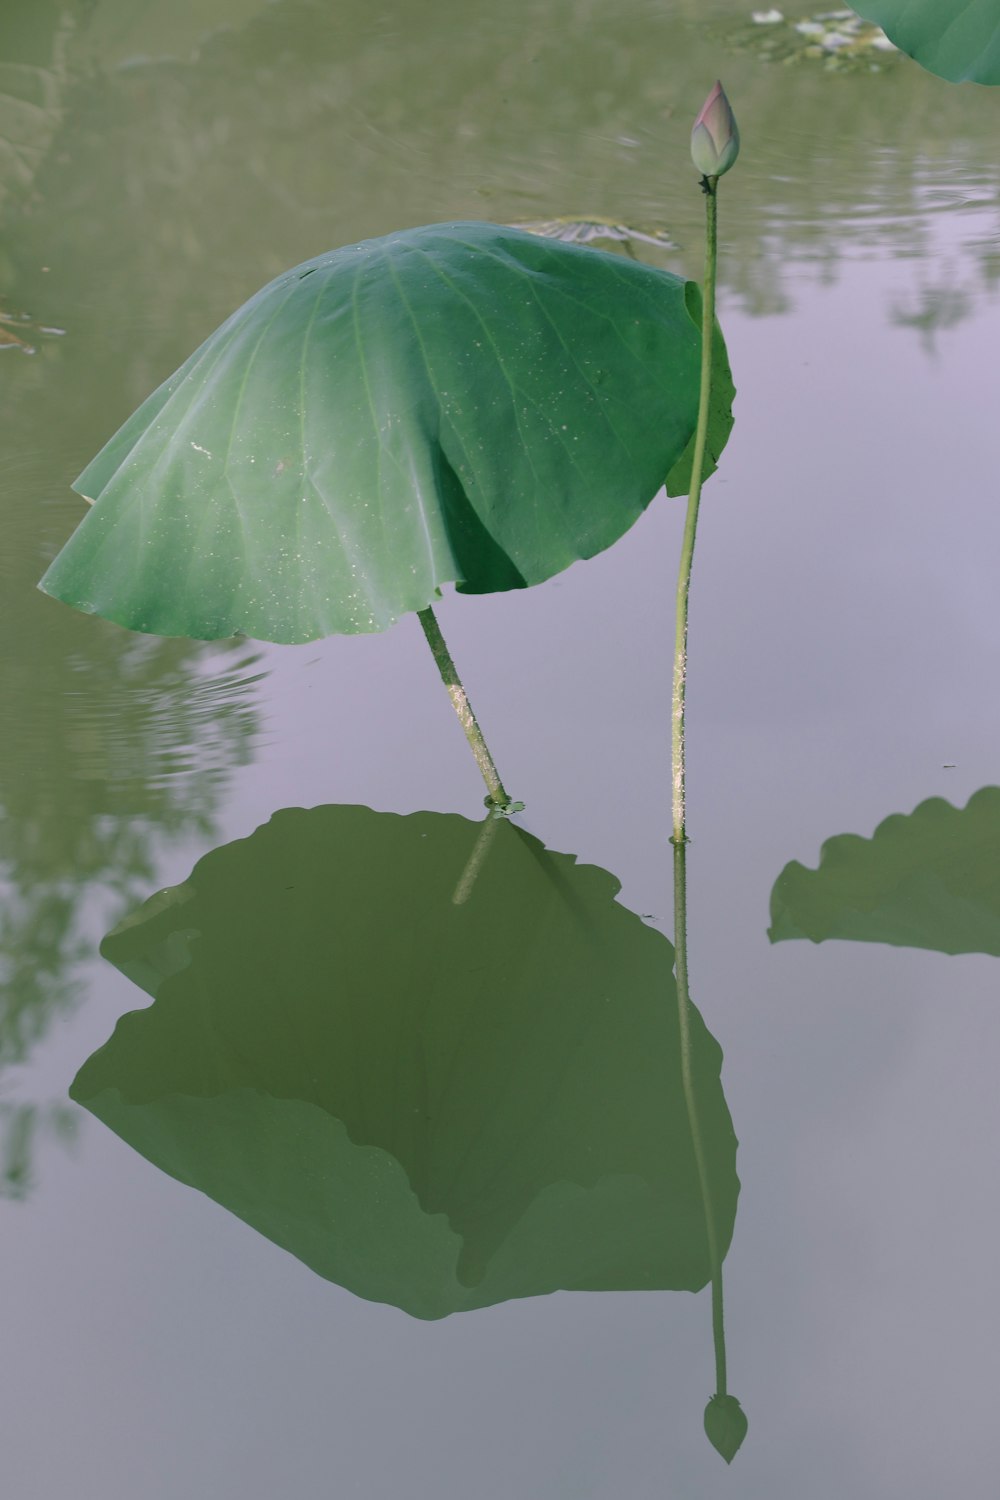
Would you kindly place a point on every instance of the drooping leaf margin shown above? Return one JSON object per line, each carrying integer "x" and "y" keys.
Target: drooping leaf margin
{"x": 161, "y": 550}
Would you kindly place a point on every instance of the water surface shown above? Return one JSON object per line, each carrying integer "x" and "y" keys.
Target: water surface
{"x": 168, "y": 160}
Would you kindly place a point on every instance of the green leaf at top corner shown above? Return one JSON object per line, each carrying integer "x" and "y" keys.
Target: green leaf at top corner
{"x": 959, "y": 40}
{"x": 720, "y": 414}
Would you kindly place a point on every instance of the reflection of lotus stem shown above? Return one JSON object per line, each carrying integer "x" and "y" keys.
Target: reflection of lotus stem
{"x": 709, "y": 186}
{"x": 691, "y": 1104}
{"x": 462, "y": 706}
{"x": 476, "y": 859}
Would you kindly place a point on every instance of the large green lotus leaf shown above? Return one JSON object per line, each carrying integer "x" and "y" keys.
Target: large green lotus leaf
{"x": 927, "y": 880}
{"x": 442, "y": 1073}
{"x": 460, "y": 403}
{"x": 957, "y": 39}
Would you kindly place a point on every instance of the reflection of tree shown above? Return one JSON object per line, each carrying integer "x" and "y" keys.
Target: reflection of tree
{"x": 926, "y": 879}
{"x": 118, "y": 746}
{"x": 34, "y": 39}
{"x": 112, "y": 743}
{"x": 330, "y": 125}
{"x": 107, "y": 761}
{"x": 121, "y": 749}
{"x": 22, "y": 1128}
{"x": 933, "y": 309}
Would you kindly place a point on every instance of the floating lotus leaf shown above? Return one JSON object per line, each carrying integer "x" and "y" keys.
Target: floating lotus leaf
{"x": 441, "y": 1075}
{"x": 462, "y": 402}
{"x": 957, "y": 39}
{"x": 927, "y": 880}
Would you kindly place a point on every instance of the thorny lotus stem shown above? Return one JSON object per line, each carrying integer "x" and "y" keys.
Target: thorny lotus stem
{"x": 709, "y": 187}
{"x": 691, "y": 1105}
{"x": 460, "y": 701}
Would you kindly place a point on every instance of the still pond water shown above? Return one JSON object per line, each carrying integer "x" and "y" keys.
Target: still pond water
{"x": 157, "y": 164}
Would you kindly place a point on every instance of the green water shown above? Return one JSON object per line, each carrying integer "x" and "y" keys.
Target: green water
{"x": 158, "y": 163}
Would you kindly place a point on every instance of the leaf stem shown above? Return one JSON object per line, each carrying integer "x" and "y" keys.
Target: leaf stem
{"x": 709, "y": 187}
{"x": 460, "y": 702}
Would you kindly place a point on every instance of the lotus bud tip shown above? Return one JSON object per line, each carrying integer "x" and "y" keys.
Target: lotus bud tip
{"x": 715, "y": 136}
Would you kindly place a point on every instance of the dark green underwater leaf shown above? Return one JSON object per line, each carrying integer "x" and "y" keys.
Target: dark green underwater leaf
{"x": 957, "y": 39}
{"x": 440, "y": 1081}
{"x": 927, "y": 880}
{"x": 462, "y": 403}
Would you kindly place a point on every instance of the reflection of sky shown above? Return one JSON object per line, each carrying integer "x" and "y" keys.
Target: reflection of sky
{"x": 843, "y": 649}
{"x": 942, "y": 229}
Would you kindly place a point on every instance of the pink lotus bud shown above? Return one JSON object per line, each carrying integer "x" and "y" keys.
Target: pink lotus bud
{"x": 715, "y": 138}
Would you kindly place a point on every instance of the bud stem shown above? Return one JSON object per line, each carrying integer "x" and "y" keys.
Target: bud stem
{"x": 709, "y": 186}
{"x": 684, "y": 1008}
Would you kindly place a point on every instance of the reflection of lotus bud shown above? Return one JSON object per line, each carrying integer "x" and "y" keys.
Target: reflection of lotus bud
{"x": 725, "y": 1425}
{"x": 715, "y": 138}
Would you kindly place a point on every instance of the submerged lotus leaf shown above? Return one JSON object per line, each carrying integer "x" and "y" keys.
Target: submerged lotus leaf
{"x": 439, "y": 1064}
{"x": 929, "y": 879}
{"x": 957, "y": 39}
{"x": 463, "y": 402}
